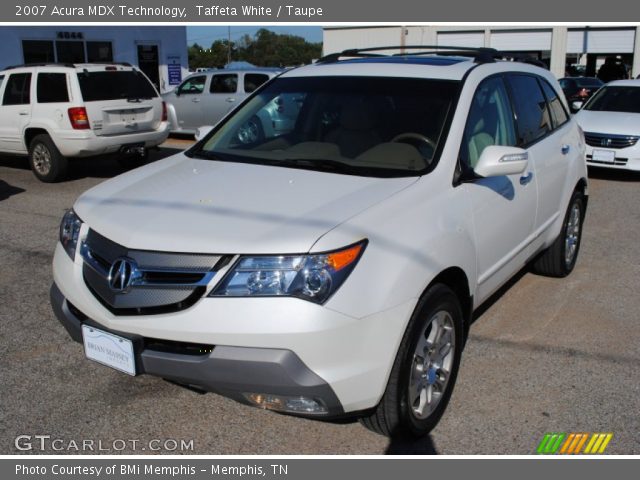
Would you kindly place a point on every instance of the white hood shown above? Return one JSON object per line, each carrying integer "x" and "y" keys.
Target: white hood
{"x": 181, "y": 204}
{"x": 618, "y": 123}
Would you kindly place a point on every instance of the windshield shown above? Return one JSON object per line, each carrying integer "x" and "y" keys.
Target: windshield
{"x": 588, "y": 82}
{"x": 366, "y": 126}
{"x": 115, "y": 85}
{"x": 616, "y": 99}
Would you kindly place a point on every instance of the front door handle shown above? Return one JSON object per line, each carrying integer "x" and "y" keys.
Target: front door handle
{"x": 231, "y": 99}
{"x": 526, "y": 178}
{"x": 195, "y": 99}
{"x": 565, "y": 149}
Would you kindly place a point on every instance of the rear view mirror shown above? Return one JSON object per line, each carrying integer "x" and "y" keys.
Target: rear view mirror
{"x": 496, "y": 161}
{"x": 577, "y": 105}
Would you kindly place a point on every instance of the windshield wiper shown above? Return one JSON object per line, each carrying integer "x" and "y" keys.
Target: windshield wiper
{"x": 203, "y": 154}
{"x": 321, "y": 164}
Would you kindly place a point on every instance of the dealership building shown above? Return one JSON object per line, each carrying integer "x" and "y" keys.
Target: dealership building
{"x": 575, "y": 49}
{"x": 160, "y": 52}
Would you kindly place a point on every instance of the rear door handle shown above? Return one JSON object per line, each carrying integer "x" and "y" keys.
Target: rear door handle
{"x": 24, "y": 113}
{"x": 526, "y": 178}
{"x": 565, "y": 149}
{"x": 231, "y": 99}
{"x": 195, "y": 99}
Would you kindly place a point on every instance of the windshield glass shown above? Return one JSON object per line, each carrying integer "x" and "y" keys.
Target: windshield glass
{"x": 114, "y": 85}
{"x": 589, "y": 82}
{"x": 616, "y": 99}
{"x": 366, "y": 126}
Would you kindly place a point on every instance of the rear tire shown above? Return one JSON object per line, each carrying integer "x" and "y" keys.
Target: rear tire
{"x": 46, "y": 161}
{"x": 559, "y": 259}
{"x": 425, "y": 368}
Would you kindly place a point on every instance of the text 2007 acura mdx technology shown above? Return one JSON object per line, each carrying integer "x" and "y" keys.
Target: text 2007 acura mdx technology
{"x": 332, "y": 268}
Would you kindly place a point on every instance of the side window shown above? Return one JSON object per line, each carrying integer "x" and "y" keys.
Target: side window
{"x": 1, "y": 81}
{"x": 558, "y": 113}
{"x": 253, "y": 81}
{"x": 490, "y": 122}
{"x": 534, "y": 120}
{"x": 17, "y": 90}
{"x": 226, "y": 83}
{"x": 193, "y": 85}
{"x": 52, "y": 88}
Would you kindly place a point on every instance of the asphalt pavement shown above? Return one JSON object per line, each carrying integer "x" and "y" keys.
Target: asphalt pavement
{"x": 547, "y": 355}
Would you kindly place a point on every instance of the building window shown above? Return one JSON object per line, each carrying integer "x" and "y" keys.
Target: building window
{"x": 70, "y": 52}
{"x": 38, "y": 51}
{"x": 99, "y": 52}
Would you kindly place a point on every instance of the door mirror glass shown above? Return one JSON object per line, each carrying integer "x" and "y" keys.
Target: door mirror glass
{"x": 575, "y": 106}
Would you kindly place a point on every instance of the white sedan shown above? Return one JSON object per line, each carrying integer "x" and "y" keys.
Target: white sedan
{"x": 611, "y": 124}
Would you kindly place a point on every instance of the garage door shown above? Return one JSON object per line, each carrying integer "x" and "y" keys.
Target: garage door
{"x": 521, "y": 41}
{"x": 461, "y": 39}
{"x": 600, "y": 41}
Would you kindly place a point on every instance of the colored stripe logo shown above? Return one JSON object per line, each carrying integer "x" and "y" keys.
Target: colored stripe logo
{"x": 574, "y": 443}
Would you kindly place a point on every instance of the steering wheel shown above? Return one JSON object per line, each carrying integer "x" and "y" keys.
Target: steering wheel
{"x": 414, "y": 139}
{"x": 423, "y": 144}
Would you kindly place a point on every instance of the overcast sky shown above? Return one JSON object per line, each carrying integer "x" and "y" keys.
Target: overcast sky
{"x": 205, "y": 36}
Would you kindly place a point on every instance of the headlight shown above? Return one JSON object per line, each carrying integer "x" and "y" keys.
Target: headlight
{"x": 69, "y": 231}
{"x": 311, "y": 277}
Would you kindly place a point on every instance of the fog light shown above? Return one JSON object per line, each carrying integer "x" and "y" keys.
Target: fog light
{"x": 281, "y": 403}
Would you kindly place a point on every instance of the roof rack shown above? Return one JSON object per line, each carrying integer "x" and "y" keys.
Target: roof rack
{"x": 69, "y": 65}
{"x": 480, "y": 54}
{"x": 45, "y": 64}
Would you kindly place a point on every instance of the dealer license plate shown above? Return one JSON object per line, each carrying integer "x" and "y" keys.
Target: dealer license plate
{"x": 607, "y": 156}
{"x": 108, "y": 349}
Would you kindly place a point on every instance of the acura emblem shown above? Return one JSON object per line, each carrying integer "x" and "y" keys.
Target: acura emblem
{"x": 122, "y": 274}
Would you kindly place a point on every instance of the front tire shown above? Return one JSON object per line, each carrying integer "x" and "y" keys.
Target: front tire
{"x": 425, "y": 369}
{"x": 46, "y": 161}
{"x": 559, "y": 259}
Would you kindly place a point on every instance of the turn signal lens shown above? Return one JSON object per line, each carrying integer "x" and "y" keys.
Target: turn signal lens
{"x": 164, "y": 112}
{"x": 343, "y": 258}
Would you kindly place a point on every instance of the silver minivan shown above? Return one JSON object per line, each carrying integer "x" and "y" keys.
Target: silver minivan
{"x": 204, "y": 98}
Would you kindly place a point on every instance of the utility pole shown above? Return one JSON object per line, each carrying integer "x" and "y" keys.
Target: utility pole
{"x": 229, "y": 46}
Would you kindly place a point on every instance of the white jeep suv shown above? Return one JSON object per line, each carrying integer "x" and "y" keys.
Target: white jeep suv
{"x": 53, "y": 112}
{"x": 331, "y": 268}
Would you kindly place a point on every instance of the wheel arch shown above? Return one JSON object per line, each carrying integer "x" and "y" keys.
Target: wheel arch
{"x": 31, "y": 132}
{"x": 456, "y": 279}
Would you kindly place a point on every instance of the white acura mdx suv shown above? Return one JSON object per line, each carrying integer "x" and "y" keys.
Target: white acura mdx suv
{"x": 331, "y": 268}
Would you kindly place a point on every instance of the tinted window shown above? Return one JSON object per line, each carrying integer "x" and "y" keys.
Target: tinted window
{"x": 113, "y": 85}
{"x": 52, "y": 87}
{"x": 193, "y": 85}
{"x": 17, "y": 91}
{"x": 490, "y": 122}
{"x": 532, "y": 114}
{"x": 616, "y": 99}
{"x": 253, "y": 81}
{"x": 558, "y": 114}
{"x": 99, "y": 52}
{"x": 70, "y": 52}
{"x": 37, "y": 51}
{"x": 227, "y": 83}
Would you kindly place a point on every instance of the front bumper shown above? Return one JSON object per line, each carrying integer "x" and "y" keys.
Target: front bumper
{"x": 352, "y": 355}
{"x": 625, "y": 159}
{"x": 229, "y": 371}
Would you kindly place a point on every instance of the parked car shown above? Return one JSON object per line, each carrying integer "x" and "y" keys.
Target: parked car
{"x": 332, "y": 269}
{"x": 578, "y": 90}
{"x": 611, "y": 124}
{"x": 204, "y": 98}
{"x": 53, "y": 112}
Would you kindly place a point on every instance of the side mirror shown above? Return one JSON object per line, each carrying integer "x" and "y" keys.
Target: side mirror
{"x": 577, "y": 105}
{"x": 496, "y": 161}
{"x": 203, "y": 131}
